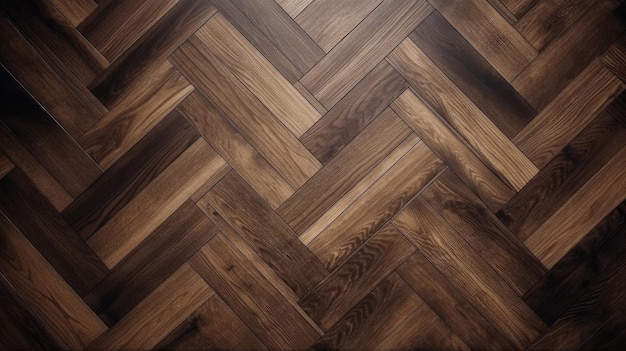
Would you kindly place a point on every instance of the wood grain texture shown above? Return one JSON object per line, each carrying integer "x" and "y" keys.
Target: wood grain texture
{"x": 519, "y": 7}
{"x": 5, "y": 164}
{"x": 76, "y": 11}
{"x": 614, "y": 60}
{"x": 293, "y": 7}
{"x": 444, "y": 98}
{"x": 360, "y": 51}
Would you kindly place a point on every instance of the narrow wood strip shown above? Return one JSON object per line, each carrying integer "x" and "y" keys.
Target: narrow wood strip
{"x": 445, "y": 98}
{"x": 213, "y": 326}
{"x": 586, "y": 208}
{"x": 372, "y": 318}
{"x": 134, "y": 117}
{"x": 568, "y": 114}
{"x": 130, "y": 175}
{"x": 352, "y": 113}
{"x": 151, "y": 263}
{"x": 469, "y": 273}
{"x": 361, "y": 50}
{"x": 293, "y": 7}
{"x": 252, "y": 297}
{"x": 447, "y": 146}
{"x": 157, "y": 201}
{"x": 329, "y": 21}
{"x": 282, "y": 31}
{"x": 258, "y": 74}
{"x": 310, "y": 98}
{"x": 483, "y": 26}
{"x": 75, "y": 10}
{"x": 266, "y": 233}
{"x": 376, "y": 206}
{"x": 140, "y": 60}
{"x": 450, "y": 304}
{"x": 356, "y": 277}
{"x": 575, "y": 49}
{"x": 474, "y": 76}
{"x": 615, "y": 58}
{"x": 503, "y": 10}
{"x": 328, "y": 185}
{"x": 232, "y": 146}
{"x": 255, "y": 122}
{"x": 37, "y": 219}
{"x": 60, "y": 311}
{"x": 158, "y": 314}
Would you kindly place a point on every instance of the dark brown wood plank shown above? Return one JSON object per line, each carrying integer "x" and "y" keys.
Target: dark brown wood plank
{"x": 359, "y": 52}
{"x": 151, "y": 263}
{"x": 252, "y": 297}
{"x": 356, "y": 277}
{"x": 352, "y": 113}
{"x": 76, "y": 10}
{"x": 264, "y": 231}
{"x": 130, "y": 175}
{"x": 328, "y": 185}
{"x": 566, "y": 172}
{"x": 156, "y": 45}
{"x": 5, "y": 164}
{"x": 37, "y": 219}
{"x": 610, "y": 336}
{"x": 519, "y": 7}
{"x": 615, "y": 58}
{"x": 282, "y": 31}
{"x": 375, "y": 316}
{"x": 473, "y": 74}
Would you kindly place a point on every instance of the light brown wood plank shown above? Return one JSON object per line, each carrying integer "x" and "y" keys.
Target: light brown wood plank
{"x": 156, "y": 316}
{"x": 256, "y": 123}
{"x": 361, "y": 50}
{"x": 258, "y": 74}
{"x": 376, "y": 206}
{"x": 293, "y": 7}
{"x": 122, "y": 233}
{"x": 447, "y": 146}
{"x": 586, "y": 208}
{"x": 489, "y": 33}
{"x": 444, "y": 98}
{"x": 568, "y": 114}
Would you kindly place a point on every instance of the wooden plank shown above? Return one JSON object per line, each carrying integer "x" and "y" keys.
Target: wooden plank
{"x": 474, "y": 76}
{"x": 37, "y": 219}
{"x": 519, "y": 7}
{"x": 258, "y": 74}
{"x": 445, "y": 98}
{"x": 503, "y": 10}
{"x": 329, "y": 21}
{"x": 253, "y": 298}
{"x": 611, "y": 334}
{"x": 376, "y": 206}
{"x": 447, "y": 146}
{"x": 575, "y": 49}
{"x": 158, "y": 314}
{"x": 253, "y": 120}
{"x": 259, "y": 40}
{"x": 507, "y": 255}
{"x": 352, "y": 113}
{"x": 75, "y": 109}
{"x": 469, "y": 273}
{"x": 450, "y": 305}
{"x": 157, "y": 201}
{"x": 75, "y": 10}
{"x": 615, "y": 58}
{"x": 293, "y": 7}
{"x": 151, "y": 263}
{"x": 356, "y": 277}
{"x": 266, "y": 233}
{"x": 566, "y": 172}
{"x": 130, "y": 175}
{"x": 5, "y": 164}
{"x": 156, "y": 45}
{"x": 232, "y": 146}
{"x": 213, "y": 326}
{"x": 310, "y": 98}
{"x": 135, "y": 116}
{"x": 359, "y": 157}
{"x": 115, "y": 26}
{"x": 282, "y": 31}
{"x": 62, "y": 313}
{"x": 375, "y": 316}
{"x": 545, "y": 21}
{"x": 568, "y": 114}
{"x": 586, "y": 208}
{"x": 360, "y": 51}
{"x": 489, "y": 33}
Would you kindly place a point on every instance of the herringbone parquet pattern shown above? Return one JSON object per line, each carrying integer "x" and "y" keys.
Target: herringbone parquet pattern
{"x": 294, "y": 174}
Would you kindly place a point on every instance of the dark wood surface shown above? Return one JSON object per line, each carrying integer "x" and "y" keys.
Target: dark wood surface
{"x": 313, "y": 174}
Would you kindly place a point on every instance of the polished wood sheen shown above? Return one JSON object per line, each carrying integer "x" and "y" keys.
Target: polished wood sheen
{"x": 313, "y": 174}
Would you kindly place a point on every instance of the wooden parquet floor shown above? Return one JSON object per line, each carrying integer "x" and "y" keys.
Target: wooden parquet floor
{"x": 326, "y": 174}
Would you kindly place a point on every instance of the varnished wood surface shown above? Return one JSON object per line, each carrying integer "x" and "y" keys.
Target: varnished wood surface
{"x": 312, "y": 174}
